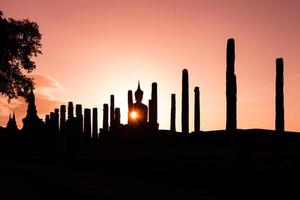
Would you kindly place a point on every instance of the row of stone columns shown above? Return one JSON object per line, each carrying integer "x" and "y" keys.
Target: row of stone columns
{"x": 89, "y": 127}
{"x": 231, "y": 97}
{"x": 231, "y": 92}
{"x": 54, "y": 121}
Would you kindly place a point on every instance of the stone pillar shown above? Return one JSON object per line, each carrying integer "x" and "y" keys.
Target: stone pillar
{"x": 197, "y": 110}
{"x": 130, "y": 103}
{"x": 154, "y": 102}
{"x": 231, "y": 88}
{"x": 62, "y": 116}
{"x": 150, "y": 111}
{"x": 173, "y": 113}
{"x": 79, "y": 117}
{"x": 52, "y": 121}
{"x": 117, "y": 117}
{"x": 56, "y": 119}
{"x": 185, "y": 102}
{"x": 95, "y": 123}
{"x": 153, "y": 107}
{"x": 105, "y": 117}
{"x": 279, "y": 121}
{"x": 112, "y": 111}
{"x": 47, "y": 121}
{"x": 153, "y": 116}
{"x": 70, "y": 110}
{"x": 87, "y": 123}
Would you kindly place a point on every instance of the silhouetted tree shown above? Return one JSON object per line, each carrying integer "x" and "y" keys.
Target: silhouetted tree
{"x": 19, "y": 42}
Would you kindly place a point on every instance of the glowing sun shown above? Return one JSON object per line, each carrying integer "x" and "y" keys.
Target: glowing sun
{"x": 133, "y": 115}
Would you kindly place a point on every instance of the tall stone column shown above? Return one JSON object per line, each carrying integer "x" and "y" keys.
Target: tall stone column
{"x": 52, "y": 122}
{"x": 47, "y": 121}
{"x": 153, "y": 107}
{"x": 112, "y": 111}
{"x": 197, "y": 110}
{"x": 62, "y": 116}
{"x": 130, "y": 103}
{"x": 231, "y": 88}
{"x": 150, "y": 111}
{"x": 117, "y": 117}
{"x": 173, "y": 113}
{"x": 79, "y": 117}
{"x": 95, "y": 123}
{"x": 87, "y": 123}
{"x": 185, "y": 102}
{"x": 56, "y": 119}
{"x": 279, "y": 121}
{"x": 105, "y": 118}
{"x": 70, "y": 110}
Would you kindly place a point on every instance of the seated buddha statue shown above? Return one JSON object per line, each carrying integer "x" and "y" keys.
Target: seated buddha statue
{"x": 138, "y": 112}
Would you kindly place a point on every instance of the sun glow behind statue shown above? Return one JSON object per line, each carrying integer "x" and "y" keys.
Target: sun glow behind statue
{"x": 134, "y": 115}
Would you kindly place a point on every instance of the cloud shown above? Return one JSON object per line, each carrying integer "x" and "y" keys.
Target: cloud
{"x": 46, "y": 86}
{"x": 45, "y": 90}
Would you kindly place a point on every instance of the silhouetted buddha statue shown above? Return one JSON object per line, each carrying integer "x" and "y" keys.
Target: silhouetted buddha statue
{"x": 139, "y": 111}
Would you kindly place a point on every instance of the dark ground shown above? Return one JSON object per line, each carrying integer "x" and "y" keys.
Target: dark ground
{"x": 251, "y": 164}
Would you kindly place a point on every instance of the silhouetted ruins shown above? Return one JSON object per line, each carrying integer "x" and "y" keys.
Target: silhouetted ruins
{"x": 112, "y": 112}
{"x": 72, "y": 133}
{"x": 70, "y": 110}
{"x": 32, "y": 123}
{"x": 87, "y": 123}
{"x": 11, "y": 126}
{"x": 173, "y": 113}
{"x": 117, "y": 117}
{"x": 139, "y": 115}
{"x": 62, "y": 116}
{"x": 279, "y": 127}
{"x": 79, "y": 116}
{"x": 105, "y": 118}
{"x": 95, "y": 124}
{"x": 139, "y": 111}
{"x": 153, "y": 108}
{"x": 231, "y": 88}
{"x": 130, "y": 103}
{"x": 185, "y": 102}
{"x": 139, "y": 158}
{"x": 197, "y": 110}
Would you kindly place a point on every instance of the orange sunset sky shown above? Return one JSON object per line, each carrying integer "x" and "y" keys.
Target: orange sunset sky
{"x": 94, "y": 48}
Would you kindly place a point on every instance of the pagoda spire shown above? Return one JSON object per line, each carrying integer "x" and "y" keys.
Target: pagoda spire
{"x": 32, "y": 122}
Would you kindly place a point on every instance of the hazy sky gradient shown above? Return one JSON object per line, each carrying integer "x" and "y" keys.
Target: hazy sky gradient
{"x": 94, "y": 48}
